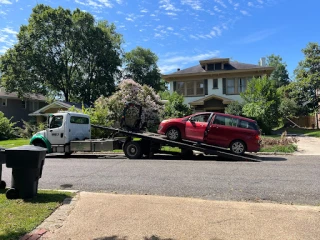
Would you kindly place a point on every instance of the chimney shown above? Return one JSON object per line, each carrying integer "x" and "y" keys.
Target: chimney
{"x": 262, "y": 62}
{"x": 178, "y": 69}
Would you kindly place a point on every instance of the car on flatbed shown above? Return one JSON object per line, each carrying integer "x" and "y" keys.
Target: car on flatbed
{"x": 238, "y": 133}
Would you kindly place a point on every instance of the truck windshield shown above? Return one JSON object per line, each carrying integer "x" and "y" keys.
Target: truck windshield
{"x": 56, "y": 121}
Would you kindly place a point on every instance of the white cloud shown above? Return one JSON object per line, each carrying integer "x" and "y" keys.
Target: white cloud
{"x": 260, "y": 1}
{"x": 217, "y": 9}
{"x": 119, "y": 1}
{"x": 250, "y": 4}
{"x": 168, "y": 6}
{"x": 170, "y": 28}
{"x": 8, "y": 30}
{"x": 256, "y": 37}
{"x": 244, "y": 12}
{"x": 192, "y": 58}
{"x": 216, "y": 31}
{"x": 3, "y": 13}
{"x": 95, "y": 3}
{"x": 129, "y": 19}
{"x": 221, "y": 3}
{"x": 144, "y": 11}
{"x": 194, "y": 4}
{"x": 3, "y": 49}
{"x": 171, "y": 14}
{"x": 5, "y": 2}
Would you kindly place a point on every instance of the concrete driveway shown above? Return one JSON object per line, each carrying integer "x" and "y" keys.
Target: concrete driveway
{"x": 308, "y": 145}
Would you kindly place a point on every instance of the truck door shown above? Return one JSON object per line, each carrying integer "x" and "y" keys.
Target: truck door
{"x": 195, "y": 127}
{"x": 55, "y": 132}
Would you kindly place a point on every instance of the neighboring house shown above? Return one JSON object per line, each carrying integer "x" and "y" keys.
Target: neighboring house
{"x": 214, "y": 83}
{"x": 13, "y": 106}
{"x": 42, "y": 113}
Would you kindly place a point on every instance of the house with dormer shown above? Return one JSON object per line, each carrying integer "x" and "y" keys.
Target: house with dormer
{"x": 214, "y": 83}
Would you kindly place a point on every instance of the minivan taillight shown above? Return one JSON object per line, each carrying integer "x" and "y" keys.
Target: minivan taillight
{"x": 257, "y": 137}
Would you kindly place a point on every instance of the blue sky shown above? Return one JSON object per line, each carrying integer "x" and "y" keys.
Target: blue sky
{"x": 182, "y": 32}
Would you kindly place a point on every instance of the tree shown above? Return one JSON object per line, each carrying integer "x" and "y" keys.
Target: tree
{"x": 308, "y": 78}
{"x": 280, "y": 74}
{"x": 63, "y": 51}
{"x": 141, "y": 66}
{"x": 175, "y": 107}
{"x": 235, "y": 108}
{"x": 261, "y": 102}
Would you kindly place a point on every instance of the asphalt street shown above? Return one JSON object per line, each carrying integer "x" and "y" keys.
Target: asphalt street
{"x": 281, "y": 179}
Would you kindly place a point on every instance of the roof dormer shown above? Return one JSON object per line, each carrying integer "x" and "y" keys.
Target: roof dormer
{"x": 214, "y": 64}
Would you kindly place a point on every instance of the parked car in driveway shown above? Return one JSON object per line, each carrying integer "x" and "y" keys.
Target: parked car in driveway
{"x": 224, "y": 130}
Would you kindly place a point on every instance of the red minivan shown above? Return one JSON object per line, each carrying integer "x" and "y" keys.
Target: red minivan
{"x": 224, "y": 130}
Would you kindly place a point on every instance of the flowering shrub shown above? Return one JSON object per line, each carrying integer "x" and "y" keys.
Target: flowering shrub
{"x": 130, "y": 91}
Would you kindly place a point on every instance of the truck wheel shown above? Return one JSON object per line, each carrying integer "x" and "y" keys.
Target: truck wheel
{"x": 238, "y": 147}
{"x": 12, "y": 193}
{"x": 132, "y": 150}
{"x": 3, "y": 184}
{"x": 173, "y": 134}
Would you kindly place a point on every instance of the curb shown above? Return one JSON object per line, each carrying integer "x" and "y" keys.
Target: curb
{"x": 55, "y": 220}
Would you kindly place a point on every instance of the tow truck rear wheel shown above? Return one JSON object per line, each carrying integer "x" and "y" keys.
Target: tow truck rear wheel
{"x": 133, "y": 150}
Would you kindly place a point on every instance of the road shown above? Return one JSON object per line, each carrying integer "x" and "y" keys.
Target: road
{"x": 284, "y": 179}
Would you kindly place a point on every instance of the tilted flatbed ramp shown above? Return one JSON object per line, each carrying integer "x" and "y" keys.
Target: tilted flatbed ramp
{"x": 153, "y": 138}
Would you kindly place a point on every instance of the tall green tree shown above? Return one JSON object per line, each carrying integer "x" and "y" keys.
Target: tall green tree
{"x": 63, "y": 51}
{"x": 175, "y": 106}
{"x": 307, "y": 75}
{"x": 280, "y": 73}
{"x": 141, "y": 66}
{"x": 261, "y": 102}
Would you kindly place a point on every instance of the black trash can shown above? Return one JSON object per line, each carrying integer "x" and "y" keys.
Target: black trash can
{"x": 2, "y": 161}
{"x": 27, "y": 164}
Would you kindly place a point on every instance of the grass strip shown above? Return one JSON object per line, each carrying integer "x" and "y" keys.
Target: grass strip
{"x": 18, "y": 217}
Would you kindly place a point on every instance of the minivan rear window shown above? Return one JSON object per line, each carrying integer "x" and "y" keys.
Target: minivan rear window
{"x": 248, "y": 125}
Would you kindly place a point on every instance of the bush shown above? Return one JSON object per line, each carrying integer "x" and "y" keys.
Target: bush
{"x": 30, "y": 128}
{"x": 234, "y": 108}
{"x": 175, "y": 107}
{"x": 7, "y": 129}
{"x": 282, "y": 141}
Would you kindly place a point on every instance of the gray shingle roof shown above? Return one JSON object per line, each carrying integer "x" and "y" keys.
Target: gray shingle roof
{"x": 228, "y": 66}
{"x": 14, "y": 95}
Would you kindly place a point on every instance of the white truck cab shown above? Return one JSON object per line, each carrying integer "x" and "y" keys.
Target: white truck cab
{"x": 63, "y": 127}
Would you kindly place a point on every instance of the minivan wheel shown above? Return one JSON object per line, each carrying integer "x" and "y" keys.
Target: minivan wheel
{"x": 238, "y": 147}
{"x": 173, "y": 134}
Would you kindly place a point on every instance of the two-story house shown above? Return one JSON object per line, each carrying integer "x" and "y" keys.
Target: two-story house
{"x": 13, "y": 106}
{"x": 214, "y": 83}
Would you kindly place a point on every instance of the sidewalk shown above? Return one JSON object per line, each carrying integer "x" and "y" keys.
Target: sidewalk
{"x": 125, "y": 217}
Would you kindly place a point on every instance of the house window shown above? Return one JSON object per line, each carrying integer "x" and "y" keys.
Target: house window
{"x": 199, "y": 88}
{"x": 242, "y": 84}
{"x": 24, "y": 104}
{"x": 3, "y": 102}
{"x": 34, "y": 105}
{"x": 215, "y": 83}
{"x": 180, "y": 88}
{"x": 236, "y": 85}
{"x": 190, "y": 88}
{"x": 214, "y": 66}
{"x": 231, "y": 86}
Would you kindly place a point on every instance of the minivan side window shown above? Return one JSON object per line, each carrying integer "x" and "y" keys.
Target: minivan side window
{"x": 201, "y": 118}
{"x": 227, "y": 121}
{"x": 248, "y": 125}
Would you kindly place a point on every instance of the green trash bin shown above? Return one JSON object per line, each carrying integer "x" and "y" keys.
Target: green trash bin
{"x": 27, "y": 164}
{"x": 2, "y": 161}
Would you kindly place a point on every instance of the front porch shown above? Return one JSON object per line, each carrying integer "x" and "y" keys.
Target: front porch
{"x": 211, "y": 103}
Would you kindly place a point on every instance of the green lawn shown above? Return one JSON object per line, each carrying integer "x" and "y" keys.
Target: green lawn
{"x": 307, "y": 132}
{"x": 14, "y": 142}
{"x": 18, "y": 217}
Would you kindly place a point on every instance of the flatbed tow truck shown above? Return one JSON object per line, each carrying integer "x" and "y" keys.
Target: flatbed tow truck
{"x": 70, "y": 132}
